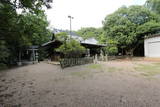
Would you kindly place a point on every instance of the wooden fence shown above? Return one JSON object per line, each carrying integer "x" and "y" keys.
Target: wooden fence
{"x": 67, "y": 62}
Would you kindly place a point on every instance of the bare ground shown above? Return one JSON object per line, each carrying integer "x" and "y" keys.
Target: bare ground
{"x": 108, "y": 84}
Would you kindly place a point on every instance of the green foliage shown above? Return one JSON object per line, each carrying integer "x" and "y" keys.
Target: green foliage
{"x": 148, "y": 69}
{"x": 3, "y": 66}
{"x": 4, "y": 52}
{"x": 18, "y": 31}
{"x": 4, "y": 55}
{"x": 148, "y": 28}
{"x": 111, "y": 48}
{"x": 62, "y": 36}
{"x": 153, "y": 5}
{"x": 102, "y": 39}
{"x": 72, "y": 49}
{"x": 34, "y": 6}
{"x": 34, "y": 28}
{"x": 42, "y": 54}
{"x": 94, "y": 66}
{"x": 124, "y": 26}
{"x": 90, "y": 32}
{"x": 112, "y": 69}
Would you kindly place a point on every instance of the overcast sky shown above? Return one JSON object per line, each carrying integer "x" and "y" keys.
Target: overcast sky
{"x": 86, "y": 13}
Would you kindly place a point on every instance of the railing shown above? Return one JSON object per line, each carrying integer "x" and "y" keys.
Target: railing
{"x": 67, "y": 62}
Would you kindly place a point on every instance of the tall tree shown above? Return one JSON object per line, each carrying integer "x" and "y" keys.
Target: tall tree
{"x": 31, "y": 5}
{"x": 123, "y": 26}
{"x": 153, "y": 5}
{"x": 18, "y": 31}
{"x": 91, "y": 32}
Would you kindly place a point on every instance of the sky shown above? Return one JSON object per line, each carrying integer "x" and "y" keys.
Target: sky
{"x": 86, "y": 13}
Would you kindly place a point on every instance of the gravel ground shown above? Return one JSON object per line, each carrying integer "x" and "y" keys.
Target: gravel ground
{"x": 108, "y": 84}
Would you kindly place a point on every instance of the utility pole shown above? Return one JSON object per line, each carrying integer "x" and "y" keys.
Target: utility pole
{"x": 70, "y": 17}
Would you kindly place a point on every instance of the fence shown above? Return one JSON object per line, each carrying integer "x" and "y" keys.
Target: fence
{"x": 67, "y": 62}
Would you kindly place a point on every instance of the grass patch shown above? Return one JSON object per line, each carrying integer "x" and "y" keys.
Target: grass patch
{"x": 103, "y": 67}
{"x": 80, "y": 73}
{"x": 149, "y": 70}
{"x": 111, "y": 69}
{"x": 94, "y": 66}
{"x": 158, "y": 64}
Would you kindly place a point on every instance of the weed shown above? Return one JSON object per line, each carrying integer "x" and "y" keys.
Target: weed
{"x": 94, "y": 66}
{"x": 111, "y": 69}
{"x": 148, "y": 70}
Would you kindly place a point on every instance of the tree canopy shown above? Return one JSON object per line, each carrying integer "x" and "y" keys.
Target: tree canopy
{"x": 70, "y": 47}
{"x": 153, "y": 5}
{"x": 127, "y": 26}
{"x": 62, "y": 36}
{"x": 90, "y": 32}
{"x": 28, "y": 5}
{"x": 18, "y": 31}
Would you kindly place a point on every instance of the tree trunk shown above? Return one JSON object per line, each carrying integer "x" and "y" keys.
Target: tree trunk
{"x": 131, "y": 51}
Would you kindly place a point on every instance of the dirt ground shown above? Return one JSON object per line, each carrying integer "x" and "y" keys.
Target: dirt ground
{"x": 107, "y": 84}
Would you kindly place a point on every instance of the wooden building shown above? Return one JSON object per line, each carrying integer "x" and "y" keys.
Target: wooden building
{"x": 92, "y": 49}
{"x": 90, "y": 44}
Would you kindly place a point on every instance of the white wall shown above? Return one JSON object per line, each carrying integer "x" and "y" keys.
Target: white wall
{"x": 152, "y": 47}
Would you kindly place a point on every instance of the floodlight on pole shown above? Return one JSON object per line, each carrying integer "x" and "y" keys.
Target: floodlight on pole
{"x": 70, "y": 17}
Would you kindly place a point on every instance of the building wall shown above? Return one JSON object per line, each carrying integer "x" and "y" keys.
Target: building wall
{"x": 152, "y": 47}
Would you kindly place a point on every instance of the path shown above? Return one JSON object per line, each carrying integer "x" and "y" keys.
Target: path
{"x": 46, "y": 85}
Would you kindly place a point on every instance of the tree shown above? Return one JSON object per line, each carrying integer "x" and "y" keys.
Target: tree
{"x": 18, "y": 31}
{"x": 4, "y": 53}
{"x": 8, "y": 18}
{"x": 62, "y": 36}
{"x": 71, "y": 49}
{"x": 33, "y": 6}
{"x": 90, "y": 32}
{"x": 153, "y": 5}
{"x": 34, "y": 28}
{"x": 111, "y": 48}
{"x": 29, "y": 30}
{"x": 123, "y": 26}
{"x": 149, "y": 28}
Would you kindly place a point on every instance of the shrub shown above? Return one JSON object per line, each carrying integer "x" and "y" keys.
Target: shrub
{"x": 71, "y": 49}
{"x": 111, "y": 48}
{"x": 4, "y": 54}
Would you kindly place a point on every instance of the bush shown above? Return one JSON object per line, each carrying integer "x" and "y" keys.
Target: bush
{"x": 3, "y": 66}
{"x": 62, "y": 36}
{"x": 42, "y": 54}
{"x": 111, "y": 48}
{"x": 4, "y": 54}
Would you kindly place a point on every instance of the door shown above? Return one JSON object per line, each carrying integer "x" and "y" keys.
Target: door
{"x": 154, "y": 49}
